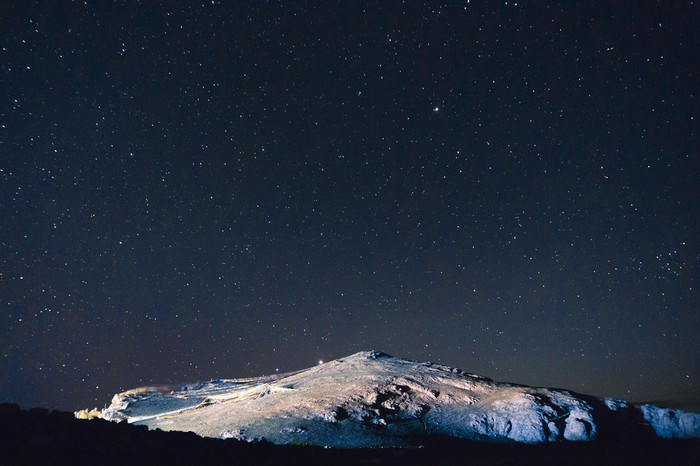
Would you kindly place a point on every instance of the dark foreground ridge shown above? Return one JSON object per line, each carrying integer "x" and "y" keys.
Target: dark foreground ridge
{"x": 38, "y": 436}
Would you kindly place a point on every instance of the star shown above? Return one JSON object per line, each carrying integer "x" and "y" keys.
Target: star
{"x": 258, "y": 203}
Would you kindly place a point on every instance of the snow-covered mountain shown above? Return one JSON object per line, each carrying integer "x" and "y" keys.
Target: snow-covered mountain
{"x": 372, "y": 399}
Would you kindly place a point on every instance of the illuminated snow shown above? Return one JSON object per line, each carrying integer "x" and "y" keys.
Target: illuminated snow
{"x": 372, "y": 399}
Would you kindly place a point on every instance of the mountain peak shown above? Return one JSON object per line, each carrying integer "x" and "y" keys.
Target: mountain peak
{"x": 374, "y": 354}
{"x": 373, "y": 399}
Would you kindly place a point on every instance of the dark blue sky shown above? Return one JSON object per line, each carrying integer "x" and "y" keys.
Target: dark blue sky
{"x": 216, "y": 190}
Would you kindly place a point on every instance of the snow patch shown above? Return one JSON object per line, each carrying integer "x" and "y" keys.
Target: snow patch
{"x": 615, "y": 405}
{"x": 671, "y": 423}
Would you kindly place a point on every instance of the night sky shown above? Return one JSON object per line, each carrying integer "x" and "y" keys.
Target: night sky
{"x": 220, "y": 190}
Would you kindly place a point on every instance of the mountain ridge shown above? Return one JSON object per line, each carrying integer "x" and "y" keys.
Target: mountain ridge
{"x": 371, "y": 399}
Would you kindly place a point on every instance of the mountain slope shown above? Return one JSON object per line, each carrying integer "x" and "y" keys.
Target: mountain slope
{"x": 372, "y": 399}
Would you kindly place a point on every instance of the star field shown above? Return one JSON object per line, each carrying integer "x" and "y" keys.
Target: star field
{"x": 217, "y": 190}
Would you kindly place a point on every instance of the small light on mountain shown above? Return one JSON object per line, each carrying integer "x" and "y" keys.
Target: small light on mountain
{"x": 320, "y": 361}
